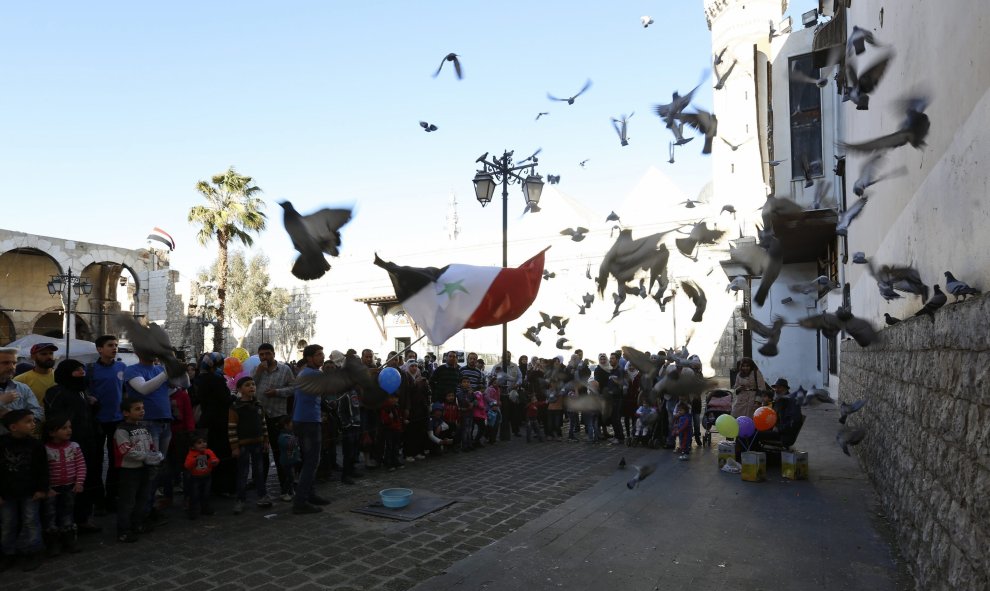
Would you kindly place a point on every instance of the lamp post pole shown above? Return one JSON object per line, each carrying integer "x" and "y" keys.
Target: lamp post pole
{"x": 68, "y": 283}
{"x": 502, "y": 171}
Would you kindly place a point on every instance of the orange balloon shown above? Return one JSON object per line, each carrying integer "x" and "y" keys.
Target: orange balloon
{"x": 764, "y": 418}
{"x": 231, "y": 366}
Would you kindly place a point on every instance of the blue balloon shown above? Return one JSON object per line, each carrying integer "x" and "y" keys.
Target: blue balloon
{"x": 250, "y": 364}
{"x": 389, "y": 379}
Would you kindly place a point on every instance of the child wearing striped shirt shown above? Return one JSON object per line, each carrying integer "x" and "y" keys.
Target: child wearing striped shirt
{"x": 66, "y": 476}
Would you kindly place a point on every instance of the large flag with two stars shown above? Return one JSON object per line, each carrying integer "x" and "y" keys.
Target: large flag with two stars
{"x": 445, "y": 300}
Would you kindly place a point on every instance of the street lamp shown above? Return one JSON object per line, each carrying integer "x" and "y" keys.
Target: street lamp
{"x": 77, "y": 284}
{"x": 502, "y": 171}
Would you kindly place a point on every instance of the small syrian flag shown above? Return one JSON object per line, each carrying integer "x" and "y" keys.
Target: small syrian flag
{"x": 443, "y": 301}
{"x": 159, "y": 235}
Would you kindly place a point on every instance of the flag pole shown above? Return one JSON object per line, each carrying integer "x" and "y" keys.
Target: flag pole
{"x": 409, "y": 346}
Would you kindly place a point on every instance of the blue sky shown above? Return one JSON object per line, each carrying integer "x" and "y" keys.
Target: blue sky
{"x": 112, "y": 111}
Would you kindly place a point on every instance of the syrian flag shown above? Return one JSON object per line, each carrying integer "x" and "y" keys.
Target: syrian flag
{"x": 159, "y": 235}
{"x": 443, "y": 301}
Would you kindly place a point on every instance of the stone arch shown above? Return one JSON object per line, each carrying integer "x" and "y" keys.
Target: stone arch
{"x": 7, "y": 331}
{"x": 49, "y": 324}
{"x": 26, "y": 272}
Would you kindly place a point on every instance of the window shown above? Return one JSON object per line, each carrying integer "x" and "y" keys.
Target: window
{"x": 401, "y": 343}
{"x": 806, "y": 120}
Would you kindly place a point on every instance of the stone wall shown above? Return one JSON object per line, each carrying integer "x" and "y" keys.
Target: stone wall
{"x": 927, "y": 447}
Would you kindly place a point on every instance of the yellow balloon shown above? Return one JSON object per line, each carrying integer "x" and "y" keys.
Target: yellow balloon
{"x": 240, "y": 353}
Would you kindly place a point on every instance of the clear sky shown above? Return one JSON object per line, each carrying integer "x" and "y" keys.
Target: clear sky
{"x": 112, "y": 111}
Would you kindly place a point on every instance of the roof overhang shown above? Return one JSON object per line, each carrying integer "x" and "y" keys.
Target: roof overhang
{"x": 828, "y": 46}
{"x": 806, "y": 236}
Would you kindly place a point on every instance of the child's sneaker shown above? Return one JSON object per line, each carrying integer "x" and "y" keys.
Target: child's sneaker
{"x": 684, "y": 457}
{"x": 286, "y": 498}
{"x": 420, "y": 457}
{"x": 264, "y": 502}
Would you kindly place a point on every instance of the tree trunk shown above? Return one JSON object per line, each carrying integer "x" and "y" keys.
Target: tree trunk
{"x": 222, "y": 239}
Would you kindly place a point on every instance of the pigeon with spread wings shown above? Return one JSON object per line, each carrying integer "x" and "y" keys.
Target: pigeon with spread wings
{"x": 313, "y": 235}
{"x": 150, "y": 342}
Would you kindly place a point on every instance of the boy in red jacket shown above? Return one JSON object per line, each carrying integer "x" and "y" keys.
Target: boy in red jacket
{"x": 200, "y": 463}
{"x": 392, "y": 429}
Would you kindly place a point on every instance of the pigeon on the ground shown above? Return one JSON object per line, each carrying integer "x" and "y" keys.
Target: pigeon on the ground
{"x": 958, "y": 288}
{"x": 913, "y": 130}
{"x": 570, "y": 100}
{"x": 697, "y": 295}
{"x": 150, "y": 342}
{"x": 622, "y": 463}
{"x": 541, "y": 114}
{"x": 848, "y": 437}
{"x": 562, "y": 344}
{"x": 847, "y": 216}
{"x": 641, "y": 473}
{"x": 621, "y": 127}
{"x": 937, "y": 300}
{"x": 451, "y": 57}
{"x": 427, "y": 127}
{"x": 353, "y": 373}
{"x": 704, "y": 122}
{"x": 770, "y": 333}
{"x": 576, "y": 234}
{"x": 313, "y": 235}
{"x": 820, "y": 395}
{"x": 646, "y": 20}
{"x": 612, "y": 217}
{"x": 847, "y": 409}
{"x": 890, "y": 320}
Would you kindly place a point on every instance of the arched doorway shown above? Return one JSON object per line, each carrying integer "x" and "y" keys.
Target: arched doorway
{"x": 49, "y": 325}
{"x": 7, "y": 332}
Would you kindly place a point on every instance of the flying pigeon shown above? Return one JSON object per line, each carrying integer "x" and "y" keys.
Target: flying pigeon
{"x": 706, "y": 123}
{"x": 548, "y": 320}
{"x": 958, "y": 288}
{"x": 846, "y": 217}
{"x": 913, "y": 130}
{"x": 627, "y": 256}
{"x": 729, "y": 208}
{"x": 646, "y": 21}
{"x": 150, "y": 342}
{"x": 548, "y": 275}
{"x": 671, "y": 160}
{"x": 717, "y": 61}
{"x": 533, "y": 335}
{"x": 700, "y": 234}
{"x": 831, "y": 324}
{"x": 621, "y": 127}
{"x": 532, "y": 207}
{"x": 427, "y": 127}
{"x": 531, "y": 157}
{"x": 847, "y": 409}
{"x": 553, "y": 179}
{"x": 848, "y": 437}
{"x": 738, "y": 283}
{"x": 901, "y": 278}
{"x": 560, "y": 323}
{"x": 937, "y": 300}
{"x": 798, "y": 76}
{"x": 858, "y": 39}
{"x": 721, "y": 78}
{"x": 672, "y": 110}
{"x": 822, "y": 197}
{"x": 588, "y": 299}
{"x": 816, "y": 286}
{"x": 612, "y": 217}
{"x": 576, "y": 234}
{"x": 353, "y": 373}
{"x": 641, "y": 473}
{"x": 770, "y": 333}
{"x": 313, "y": 235}
{"x": 570, "y": 101}
{"x": 809, "y": 169}
{"x": 562, "y": 344}
{"x": 697, "y": 295}
{"x": 776, "y": 162}
{"x": 859, "y": 85}
{"x": 732, "y": 146}
{"x": 541, "y": 114}
{"x": 584, "y": 162}
{"x": 891, "y": 321}
{"x": 868, "y": 175}
{"x": 451, "y": 57}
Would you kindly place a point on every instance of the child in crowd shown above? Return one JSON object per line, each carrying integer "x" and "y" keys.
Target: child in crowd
{"x": 24, "y": 484}
{"x": 493, "y": 400}
{"x": 465, "y": 403}
{"x": 392, "y": 432}
{"x": 533, "y": 418}
{"x": 555, "y": 412}
{"x": 480, "y": 416}
{"x": 452, "y": 416}
{"x": 646, "y": 417}
{"x": 440, "y": 435}
{"x": 682, "y": 429}
{"x": 200, "y": 462}
{"x": 134, "y": 454}
{"x": 66, "y": 477}
{"x": 248, "y": 437}
{"x": 290, "y": 456}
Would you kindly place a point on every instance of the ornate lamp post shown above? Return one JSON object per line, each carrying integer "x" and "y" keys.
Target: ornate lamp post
{"x": 503, "y": 171}
{"x": 76, "y": 284}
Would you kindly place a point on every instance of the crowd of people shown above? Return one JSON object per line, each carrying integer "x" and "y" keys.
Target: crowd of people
{"x": 83, "y": 441}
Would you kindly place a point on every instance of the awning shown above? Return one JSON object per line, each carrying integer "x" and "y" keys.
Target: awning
{"x": 806, "y": 236}
{"x": 828, "y": 46}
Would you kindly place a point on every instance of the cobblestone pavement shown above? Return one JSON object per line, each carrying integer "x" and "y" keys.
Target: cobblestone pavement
{"x": 498, "y": 489}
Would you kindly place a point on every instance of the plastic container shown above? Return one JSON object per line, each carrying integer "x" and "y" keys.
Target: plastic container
{"x": 396, "y": 498}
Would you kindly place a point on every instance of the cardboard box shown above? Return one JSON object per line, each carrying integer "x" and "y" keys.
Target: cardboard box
{"x": 726, "y": 451}
{"x": 754, "y": 466}
{"x": 794, "y": 465}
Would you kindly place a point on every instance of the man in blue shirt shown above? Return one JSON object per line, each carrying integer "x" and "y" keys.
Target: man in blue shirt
{"x": 106, "y": 384}
{"x": 307, "y": 420}
{"x": 15, "y": 395}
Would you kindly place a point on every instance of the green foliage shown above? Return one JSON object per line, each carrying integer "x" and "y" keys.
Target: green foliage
{"x": 249, "y": 295}
{"x": 295, "y": 321}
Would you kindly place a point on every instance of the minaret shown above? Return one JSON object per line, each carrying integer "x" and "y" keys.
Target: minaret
{"x": 452, "y": 222}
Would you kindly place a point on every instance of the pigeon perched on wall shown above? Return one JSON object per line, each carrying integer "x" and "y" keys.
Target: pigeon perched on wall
{"x": 859, "y": 258}
{"x": 847, "y": 409}
{"x": 937, "y": 300}
{"x": 958, "y": 288}
{"x": 890, "y": 320}
{"x": 451, "y": 57}
{"x": 313, "y": 235}
{"x": 570, "y": 100}
{"x": 641, "y": 473}
{"x": 150, "y": 342}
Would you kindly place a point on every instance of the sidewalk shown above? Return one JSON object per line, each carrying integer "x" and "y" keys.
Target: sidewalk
{"x": 690, "y": 526}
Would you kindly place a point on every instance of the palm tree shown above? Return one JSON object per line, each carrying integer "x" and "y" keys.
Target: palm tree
{"x": 232, "y": 213}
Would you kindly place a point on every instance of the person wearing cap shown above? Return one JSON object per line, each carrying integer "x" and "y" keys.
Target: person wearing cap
{"x": 41, "y": 377}
{"x": 15, "y": 395}
{"x": 788, "y": 413}
{"x": 274, "y": 385}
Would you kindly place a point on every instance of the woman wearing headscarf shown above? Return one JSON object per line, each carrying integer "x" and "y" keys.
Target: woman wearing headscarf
{"x": 68, "y": 399}
{"x": 215, "y": 401}
{"x": 749, "y": 385}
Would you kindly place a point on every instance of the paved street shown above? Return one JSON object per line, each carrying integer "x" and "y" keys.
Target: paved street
{"x": 548, "y": 515}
